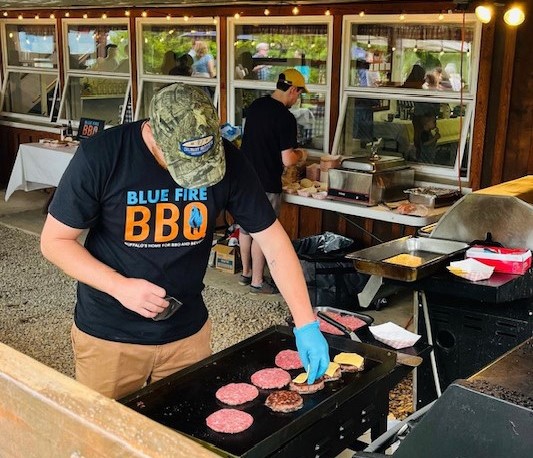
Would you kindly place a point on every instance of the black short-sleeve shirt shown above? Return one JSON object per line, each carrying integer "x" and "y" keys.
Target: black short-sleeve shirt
{"x": 269, "y": 129}
{"x": 144, "y": 225}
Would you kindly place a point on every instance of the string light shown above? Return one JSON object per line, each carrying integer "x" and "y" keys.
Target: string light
{"x": 185, "y": 18}
{"x": 236, "y": 15}
{"x": 295, "y": 10}
{"x": 6, "y": 13}
{"x": 415, "y": 49}
{"x": 402, "y": 17}
{"x": 144, "y": 14}
{"x": 266, "y": 12}
{"x": 362, "y": 13}
{"x": 85, "y": 16}
{"x": 368, "y": 43}
{"x": 67, "y": 14}
{"x": 104, "y": 16}
{"x": 393, "y": 48}
{"x": 484, "y": 13}
{"x": 168, "y": 17}
{"x": 441, "y": 17}
{"x": 20, "y": 16}
{"x": 36, "y": 16}
{"x": 127, "y": 13}
{"x": 327, "y": 13}
{"x": 52, "y": 16}
{"x": 215, "y": 21}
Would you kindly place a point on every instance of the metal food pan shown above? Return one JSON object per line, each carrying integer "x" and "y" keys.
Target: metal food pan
{"x": 433, "y": 197}
{"x": 434, "y": 253}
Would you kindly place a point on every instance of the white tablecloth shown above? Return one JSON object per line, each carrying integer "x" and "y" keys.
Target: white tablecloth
{"x": 38, "y": 166}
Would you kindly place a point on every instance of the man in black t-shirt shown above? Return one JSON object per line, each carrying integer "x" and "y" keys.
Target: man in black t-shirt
{"x": 149, "y": 193}
{"x": 269, "y": 142}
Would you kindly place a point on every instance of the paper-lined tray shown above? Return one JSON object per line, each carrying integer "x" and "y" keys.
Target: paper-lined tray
{"x": 394, "y": 336}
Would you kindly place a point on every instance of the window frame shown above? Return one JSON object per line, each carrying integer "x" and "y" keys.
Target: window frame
{"x": 467, "y": 97}
{"x": 14, "y": 69}
{"x": 143, "y": 77}
{"x": 88, "y": 73}
{"x": 234, "y": 83}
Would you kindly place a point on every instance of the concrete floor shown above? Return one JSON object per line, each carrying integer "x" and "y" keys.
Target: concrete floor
{"x": 25, "y": 211}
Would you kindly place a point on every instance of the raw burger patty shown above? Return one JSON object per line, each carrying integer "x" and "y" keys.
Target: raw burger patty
{"x": 288, "y": 359}
{"x": 284, "y": 401}
{"x": 234, "y": 394}
{"x": 229, "y": 421}
{"x": 351, "y": 322}
{"x": 271, "y": 378}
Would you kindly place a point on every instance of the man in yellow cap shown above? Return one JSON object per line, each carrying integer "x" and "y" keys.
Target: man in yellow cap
{"x": 270, "y": 143}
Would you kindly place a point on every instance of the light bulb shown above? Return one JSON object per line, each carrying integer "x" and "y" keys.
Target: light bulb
{"x": 402, "y": 17}
{"x": 52, "y": 16}
{"x": 295, "y": 10}
{"x": 127, "y": 13}
{"x": 327, "y": 12}
{"x": 441, "y": 17}
{"x": 484, "y": 13}
{"x": 144, "y": 14}
{"x": 85, "y": 16}
{"x": 266, "y": 12}
{"x": 362, "y": 13}
{"x": 67, "y": 14}
{"x": 20, "y": 17}
{"x": 514, "y": 16}
{"x": 168, "y": 17}
{"x": 5, "y": 13}
{"x": 104, "y": 16}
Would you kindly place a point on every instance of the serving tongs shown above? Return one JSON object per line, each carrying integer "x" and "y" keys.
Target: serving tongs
{"x": 401, "y": 358}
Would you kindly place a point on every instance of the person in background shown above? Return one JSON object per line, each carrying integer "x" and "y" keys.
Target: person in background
{"x": 109, "y": 63}
{"x": 261, "y": 70}
{"x": 183, "y": 66}
{"x": 150, "y": 199}
{"x": 428, "y": 140}
{"x": 270, "y": 143}
{"x": 169, "y": 62}
{"x": 124, "y": 65}
{"x": 204, "y": 63}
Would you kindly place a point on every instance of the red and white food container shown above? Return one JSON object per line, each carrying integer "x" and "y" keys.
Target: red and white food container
{"x": 505, "y": 260}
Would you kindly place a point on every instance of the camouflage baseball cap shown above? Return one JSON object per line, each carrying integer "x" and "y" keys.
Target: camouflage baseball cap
{"x": 185, "y": 126}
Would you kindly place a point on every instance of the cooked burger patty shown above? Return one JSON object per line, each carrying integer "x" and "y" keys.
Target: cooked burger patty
{"x": 271, "y": 378}
{"x": 288, "y": 359}
{"x": 306, "y": 388}
{"x": 284, "y": 401}
{"x": 234, "y": 394}
{"x": 229, "y": 421}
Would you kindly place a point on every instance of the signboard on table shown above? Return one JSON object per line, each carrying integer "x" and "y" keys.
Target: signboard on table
{"x": 89, "y": 127}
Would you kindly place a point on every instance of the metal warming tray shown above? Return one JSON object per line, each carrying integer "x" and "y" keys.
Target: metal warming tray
{"x": 433, "y": 254}
{"x": 433, "y": 197}
{"x": 374, "y": 163}
{"x": 183, "y": 400}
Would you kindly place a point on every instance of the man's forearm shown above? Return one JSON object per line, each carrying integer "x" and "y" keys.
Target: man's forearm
{"x": 286, "y": 271}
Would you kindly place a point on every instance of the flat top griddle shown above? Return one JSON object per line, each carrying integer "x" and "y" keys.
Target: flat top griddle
{"x": 183, "y": 400}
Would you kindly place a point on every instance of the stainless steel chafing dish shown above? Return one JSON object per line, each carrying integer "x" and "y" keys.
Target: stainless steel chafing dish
{"x": 370, "y": 180}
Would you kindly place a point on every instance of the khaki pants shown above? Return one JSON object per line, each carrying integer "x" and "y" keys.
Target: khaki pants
{"x": 116, "y": 369}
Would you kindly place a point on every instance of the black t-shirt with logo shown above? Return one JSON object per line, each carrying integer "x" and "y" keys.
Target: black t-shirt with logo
{"x": 144, "y": 225}
{"x": 270, "y": 128}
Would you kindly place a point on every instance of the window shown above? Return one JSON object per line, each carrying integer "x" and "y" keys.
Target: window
{"x": 261, "y": 48}
{"x": 97, "y": 83}
{"x": 31, "y": 83}
{"x": 176, "y": 50}
{"x": 411, "y": 83}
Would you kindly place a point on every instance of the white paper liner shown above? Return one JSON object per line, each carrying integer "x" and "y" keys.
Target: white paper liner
{"x": 393, "y": 335}
{"x": 471, "y": 269}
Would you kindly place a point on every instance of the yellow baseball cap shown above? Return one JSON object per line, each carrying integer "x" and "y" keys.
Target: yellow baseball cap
{"x": 292, "y": 77}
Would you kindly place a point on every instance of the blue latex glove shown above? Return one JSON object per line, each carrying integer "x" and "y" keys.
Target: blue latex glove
{"x": 313, "y": 350}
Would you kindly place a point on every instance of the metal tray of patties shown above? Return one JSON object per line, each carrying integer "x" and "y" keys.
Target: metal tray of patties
{"x": 408, "y": 258}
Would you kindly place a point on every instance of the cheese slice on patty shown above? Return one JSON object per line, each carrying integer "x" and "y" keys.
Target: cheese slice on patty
{"x": 302, "y": 378}
{"x": 349, "y": 359}
{"x": 330, "y": 371}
